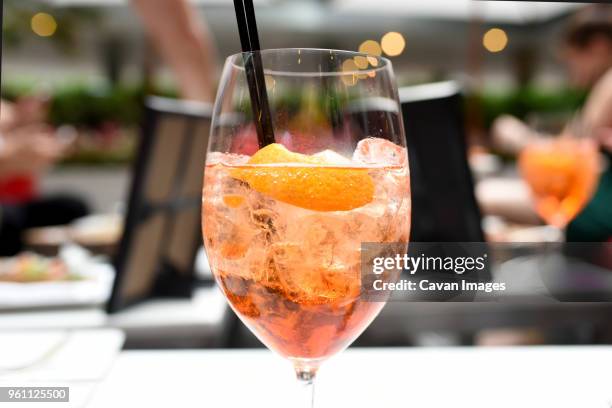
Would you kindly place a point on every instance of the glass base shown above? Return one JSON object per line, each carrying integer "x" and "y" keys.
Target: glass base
{"x": 306, "y": 371}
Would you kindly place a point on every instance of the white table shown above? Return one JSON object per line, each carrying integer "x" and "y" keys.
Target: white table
{"x": 537, "y": 377}
{"x": 204, "y": 316}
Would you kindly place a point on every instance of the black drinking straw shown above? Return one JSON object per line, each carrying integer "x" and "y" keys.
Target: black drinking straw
{"x": 249, "y": 39}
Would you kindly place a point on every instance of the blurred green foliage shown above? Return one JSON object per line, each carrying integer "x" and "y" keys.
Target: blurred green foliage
{"x": 86, "y": 105}
{"x": 82, "y": 104}
{"x": 91, "y": 107}
{"x": 121, "y": 106}
{"x": 528, "y": 100}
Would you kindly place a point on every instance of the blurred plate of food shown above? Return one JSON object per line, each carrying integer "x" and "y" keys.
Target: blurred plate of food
{"x": 99, "y": 233}
{"x": 72, "y": 278}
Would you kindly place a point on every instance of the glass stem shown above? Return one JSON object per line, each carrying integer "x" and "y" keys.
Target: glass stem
{"x": 306, "y": 379}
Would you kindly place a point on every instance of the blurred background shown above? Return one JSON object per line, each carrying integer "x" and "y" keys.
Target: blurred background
{"x": 92, "y": 63}
{"x": 83, "y": 69}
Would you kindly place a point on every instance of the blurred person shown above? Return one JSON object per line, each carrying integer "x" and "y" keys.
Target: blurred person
{"x": 184, "y": 42}
{"x": 17, "y": 120}
{"x": 27, "y": 149}
{"x": 27, "y": 110}
{"x": 587, "y": 53}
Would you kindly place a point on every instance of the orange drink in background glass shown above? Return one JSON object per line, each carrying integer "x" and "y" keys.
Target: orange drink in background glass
{"x": 284, "y": 223}
{"x": 562, "y": 174}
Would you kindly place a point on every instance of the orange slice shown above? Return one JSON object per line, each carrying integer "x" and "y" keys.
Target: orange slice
{"x": 233, "y": 200}
{"x": 318, "y": 187}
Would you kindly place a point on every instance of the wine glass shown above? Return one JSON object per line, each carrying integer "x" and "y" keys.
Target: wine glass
{"x": 562, "y": 172}
{"x": 283, "y": 222}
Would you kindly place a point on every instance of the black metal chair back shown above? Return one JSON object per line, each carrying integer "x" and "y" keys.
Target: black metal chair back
{"x": 162, "y": 231}
{"x": 444, "y": 207}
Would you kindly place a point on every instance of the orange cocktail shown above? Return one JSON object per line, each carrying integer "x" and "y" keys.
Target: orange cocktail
{"x": 562, "y": 174}
{"x": 284, "y": 233}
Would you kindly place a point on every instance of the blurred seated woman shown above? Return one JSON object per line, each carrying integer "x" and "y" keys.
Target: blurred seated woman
{"x": 587, "y": 52}
{"x": 27, "y": 149}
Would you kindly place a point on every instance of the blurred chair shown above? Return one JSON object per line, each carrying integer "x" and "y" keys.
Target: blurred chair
{"x": 155, "y": 258}
{"x": 444, "y": 207}
{"x": 162, "y": 231}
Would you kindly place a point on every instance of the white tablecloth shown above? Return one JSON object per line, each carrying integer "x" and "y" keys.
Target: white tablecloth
{"x": 77, "y": 359}
{"x": 382, "y": 378}
{"x": 202, "y": 317}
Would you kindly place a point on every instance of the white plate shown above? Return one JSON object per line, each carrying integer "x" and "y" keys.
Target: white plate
{"x": 94, "y": 288}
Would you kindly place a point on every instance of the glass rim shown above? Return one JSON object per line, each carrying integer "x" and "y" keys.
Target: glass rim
{"x": 384, "y": 63}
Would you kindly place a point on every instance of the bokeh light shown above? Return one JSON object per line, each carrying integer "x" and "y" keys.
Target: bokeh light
{"x": 43, "y": 24}
{"x": 495, "y": 40}
{"x": 361, "y": 62}
{"x": 373, "y": 49}
{"x": 393, "y": 44}
{"x": 370, "y": 47}
{"x": 349, "y": 68}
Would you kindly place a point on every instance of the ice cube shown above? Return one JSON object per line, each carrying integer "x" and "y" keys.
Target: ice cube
{"x": 303, "y": 279}
{"x": 228, "y": 159}
{"x": 331, "y": 157}
{"x": 379, "y": 151}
